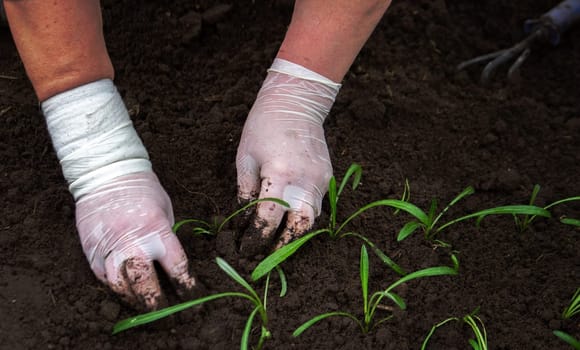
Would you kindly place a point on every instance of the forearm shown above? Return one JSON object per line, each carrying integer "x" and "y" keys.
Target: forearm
{"x": 326, "y": 35}
{"x": 60, "y": 43}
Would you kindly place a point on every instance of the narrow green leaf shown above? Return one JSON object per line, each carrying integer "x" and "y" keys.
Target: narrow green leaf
{"x": 355, "y": 170}
{"x": 480, "y": 334}
{"x": 474, "y": 344}
{"x": 283, "y": 281}
{"x": 250, "y": 204}
{"x": 247, "y": 329}
{"x": 178, "y": 224}
{"x": 388, "y": 261}
{"x": 574, "y": 307}
{"x": 466, "y": 192}
{"x": 321, "y": 317}
{"x": 569, "y": 199}
{"x": 395, "y": 203}
{"x": 427, "y": 272}
{"x": 535, "y": 192}
{"x": 508, "y": 209}
{"x": 407, "y": 230}
{"x": 431, "y": 213}
{"x": 156, "y": 315}
{"x": 397, "y": 300}
{"x": 364, "y": 276}
{"x": 236, "y": 277}
{"x": 434, "y": 328}
{"x": 280, "y": 255}
{"x": 570, "y": 221}
{"x": 568, "y": 339}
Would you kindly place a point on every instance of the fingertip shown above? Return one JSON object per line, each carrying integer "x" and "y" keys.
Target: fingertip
{"x": 143, "y": 282}
{"x": 176, "y": 266}
{"x": 297, "y": 224}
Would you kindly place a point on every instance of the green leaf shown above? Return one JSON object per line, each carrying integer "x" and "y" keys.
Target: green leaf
{"x": 252, "y": 203}
{"x": 283, "y": 281}
{"x": 355, "y": 170}
{"x": 570, "y": 221}
{"x": 508, "y": 209}
{"x": 280, "y": 255}
{"x": 407, "y": 230}
{"x": 364, "y": 277}
{"x": 397, "y": 300}
{"x": 466, "y": 192}
{"x": 433, "y": 329}
{"x": 156, "y": 315}
{"x": 321, "y": 317}
{"x": 574, "y": 307}
{"x": 236, "y": 277}
{"x": 247, "y": 329}
{"x": 388, "y": 261}
{"x": 178, "y": 224}
{"x": 395, "y": 203}
{"x": 427, "y": 272}
{"x": 568, "y": 339}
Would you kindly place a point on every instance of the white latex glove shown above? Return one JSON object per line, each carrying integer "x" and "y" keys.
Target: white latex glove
{"x": 124, "y": 226}
{"x": 123, "y": 215}
{"x": 283, "y": 153}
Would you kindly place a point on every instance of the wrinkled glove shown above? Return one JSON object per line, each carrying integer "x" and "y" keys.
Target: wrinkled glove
{"x": 123, "y": 215}
{"x": 124, "y": 226}
{"x": 283, "y": 153}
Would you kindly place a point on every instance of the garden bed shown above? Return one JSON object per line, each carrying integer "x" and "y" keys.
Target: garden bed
{"x": 403, "y": 113}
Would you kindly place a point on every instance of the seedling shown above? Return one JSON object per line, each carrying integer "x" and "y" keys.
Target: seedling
{"x": 260, "y": 306}
{"x": 575, "y": 343}
{"x": 476, "y": 325}
{"x": 428, "y": 221}
{"x": 335, "y": 230}
{"x": 370, "y": 305}
{"x": 524, "y": 222}
{"x": 574, "y": 307}
{"x": 212, "y": 228}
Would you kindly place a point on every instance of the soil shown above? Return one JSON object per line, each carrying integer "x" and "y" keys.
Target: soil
{"x": 189, "y": 72}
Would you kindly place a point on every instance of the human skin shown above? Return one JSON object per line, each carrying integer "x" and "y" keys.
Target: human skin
{"x": 62, "y": 46}
{"x": 325, "y": 36}
{"x": 60, "y": 42}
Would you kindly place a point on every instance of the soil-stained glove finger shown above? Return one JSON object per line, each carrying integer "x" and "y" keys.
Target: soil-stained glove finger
{"x": 177, "y": 268}
{"x": 297, "y": 224}
{"x": 265, "y": 221}
{"x": 124, "y": 226}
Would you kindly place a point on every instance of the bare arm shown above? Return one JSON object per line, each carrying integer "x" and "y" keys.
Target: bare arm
{"x": 60, "y": 42}
{"x": 325, "y": 36}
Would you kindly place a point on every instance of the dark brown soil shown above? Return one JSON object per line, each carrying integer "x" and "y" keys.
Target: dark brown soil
{"x": 402, "y": 113}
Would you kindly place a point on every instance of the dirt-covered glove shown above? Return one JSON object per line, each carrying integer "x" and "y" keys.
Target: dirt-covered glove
{"x": 283, "y": 153}
{"x": 123, "y": 214}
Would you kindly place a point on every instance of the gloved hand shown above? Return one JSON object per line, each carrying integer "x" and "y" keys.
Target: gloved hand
{"x": 283, "y": 153}
{"x": 124, "y": 216}
{"x": 124, "y": 226}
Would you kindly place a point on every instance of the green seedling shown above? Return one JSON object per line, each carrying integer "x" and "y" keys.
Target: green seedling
{"x": 334, "y": 229}
{"x": 574, "y": 307}
{"x": 476, "y": 325}
{"x": 212, "y": 228}
{"x": 406, "y": 196}
{"x": 428, "y": 222}
{"x": 575, "y": 343}
{"x": 525, "y": 221}
{"x": 372, "y": 304}
{"x": 260, "y": 307}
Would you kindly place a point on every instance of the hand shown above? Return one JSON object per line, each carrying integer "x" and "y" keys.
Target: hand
{"x": 283, "y": 154}
{"x": 126, "y": 224}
